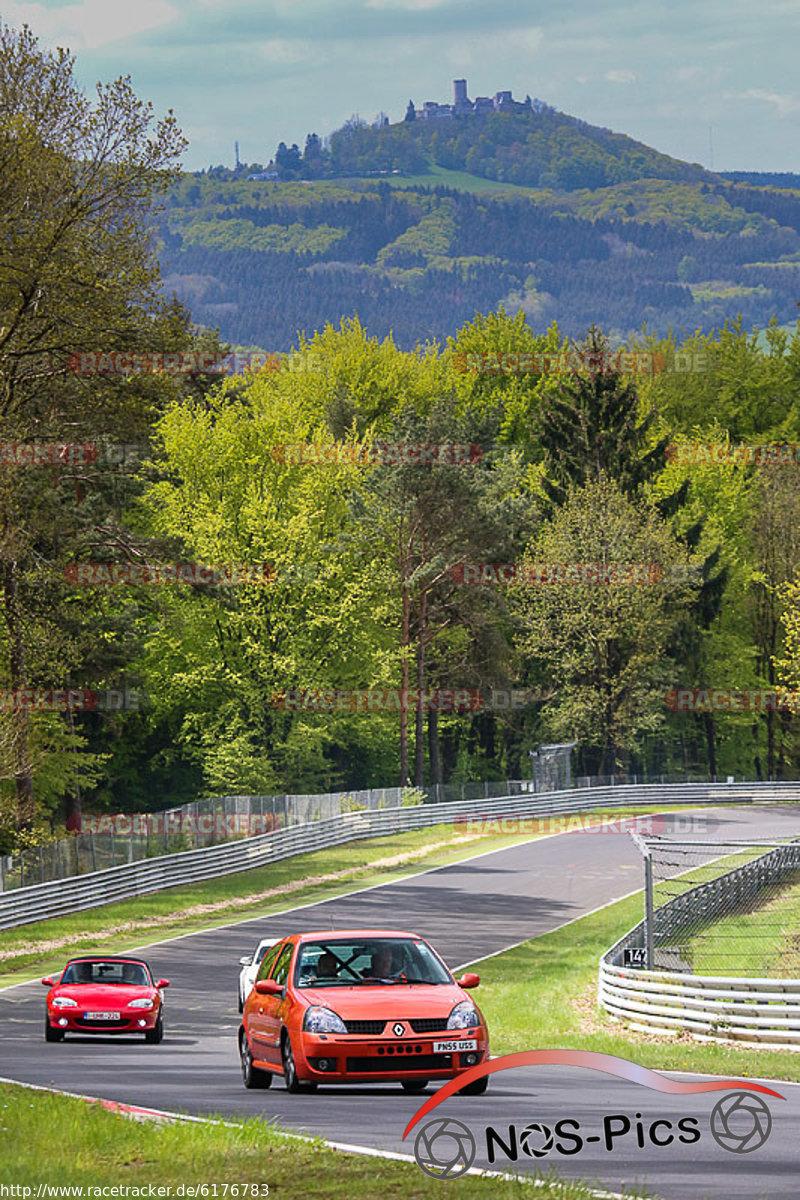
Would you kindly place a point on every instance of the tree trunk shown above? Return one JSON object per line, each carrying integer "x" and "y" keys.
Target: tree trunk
{"x": 73, "y": 804}
{"x": 708, "y": 722}
{"x": 419, "y": 732}
{"x": 20, "y": 717}
{"x": 433, "y": 747}
{"x": 404, "y": 691}
{"x": 770, "y": 715}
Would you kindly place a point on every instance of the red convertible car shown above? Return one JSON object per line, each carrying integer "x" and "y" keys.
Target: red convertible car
{"x": 105, "y": 994}
{"x": 359, "y": 1006}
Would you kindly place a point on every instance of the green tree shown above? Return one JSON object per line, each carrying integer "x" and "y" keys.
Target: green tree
{"x": 593, "y": 427}
{"x": 602, "y": 645}
{"x": 77, "y": 180}
{"x": 425, "y": 520}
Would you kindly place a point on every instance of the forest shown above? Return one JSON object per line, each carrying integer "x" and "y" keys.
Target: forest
{"x": 526, "y": 506}
{"x": 265, "y": 262}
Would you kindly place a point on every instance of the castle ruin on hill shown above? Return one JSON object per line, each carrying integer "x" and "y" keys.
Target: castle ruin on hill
{"x": 462, "y": 106}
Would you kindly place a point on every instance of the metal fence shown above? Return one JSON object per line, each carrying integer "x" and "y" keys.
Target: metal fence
{"x": 720, "y": 944}
{"x": 221, "y": 819}
{"x": 722, "y": 908}
{"x": 39, "y": 901}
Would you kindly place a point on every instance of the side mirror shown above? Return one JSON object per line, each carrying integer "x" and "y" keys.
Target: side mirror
{"x": 246, "y": 961}
{"x": 162, "y": 983}
{"x": 48, "y": 981}
{"x": 269, "y": 987}
{"x": 469, "y": 980}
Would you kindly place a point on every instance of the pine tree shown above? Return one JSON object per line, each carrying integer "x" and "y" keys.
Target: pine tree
{"x": 593, "y": 428}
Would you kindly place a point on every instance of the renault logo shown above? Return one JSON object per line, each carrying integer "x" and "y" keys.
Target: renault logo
{"x": 398, "y": 1030}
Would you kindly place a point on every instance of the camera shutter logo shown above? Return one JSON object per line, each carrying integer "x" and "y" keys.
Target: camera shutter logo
{"x": 444, "y": 1148}
{"x": 536, "y": 1139}
{"x": 740, "y": 1122}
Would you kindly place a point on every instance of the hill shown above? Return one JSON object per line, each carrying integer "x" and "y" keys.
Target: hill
{"x": 529, "y": 144}
{"x": 417, "y": 225}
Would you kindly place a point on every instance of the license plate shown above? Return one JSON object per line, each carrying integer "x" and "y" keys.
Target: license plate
{"x": 454, "y": 1047}
{"x": 101, "y": 1016}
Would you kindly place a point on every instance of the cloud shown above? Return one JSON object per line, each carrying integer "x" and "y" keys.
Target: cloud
{"x": 481, "y": 48}
{"x": 620, "y": 76}
{"x": 89, "y": 24}
{"x": 786, "y": 105}
{"x": 409, "y": 5}
{"x": 286, "y": 51}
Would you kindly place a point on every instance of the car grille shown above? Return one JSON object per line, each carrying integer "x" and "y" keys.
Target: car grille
{"x": 364, "y": 1026}
{"x": 427, "y": 1024}
{"x": 400, "y": 1062}
{"x": 418, "y": 1024}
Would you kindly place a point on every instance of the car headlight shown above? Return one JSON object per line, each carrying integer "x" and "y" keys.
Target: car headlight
{"x": 463, "y": 1016}
{"x": 64, "y": 1002}
{"x": 143, "y": 1003}
{"x": 323, "y": 1020}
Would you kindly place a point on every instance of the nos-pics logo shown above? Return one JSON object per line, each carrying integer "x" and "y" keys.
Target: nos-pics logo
{"x": 740, "y": 1122}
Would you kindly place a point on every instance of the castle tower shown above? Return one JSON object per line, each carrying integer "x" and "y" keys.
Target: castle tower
{"x": 460, "y": 102}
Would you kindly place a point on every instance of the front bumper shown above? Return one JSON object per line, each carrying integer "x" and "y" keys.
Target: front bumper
{"x": 129, "y": 1021}
{"x": 350, "y": 1058}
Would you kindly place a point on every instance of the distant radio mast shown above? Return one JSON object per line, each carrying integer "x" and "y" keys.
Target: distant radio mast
{"x": 710, "y": 148}
{"x": 236, "y": 146}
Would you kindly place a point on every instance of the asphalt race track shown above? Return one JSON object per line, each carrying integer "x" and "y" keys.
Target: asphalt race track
{"x": 468, "y": 911}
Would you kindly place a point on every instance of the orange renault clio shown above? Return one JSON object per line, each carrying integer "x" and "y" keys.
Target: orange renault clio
{"x": 359, "y": 1006}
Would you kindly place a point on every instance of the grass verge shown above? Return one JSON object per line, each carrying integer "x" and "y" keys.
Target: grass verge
{"x": 763, "y": 942}
{"x": 96, "y": 1148}
{"x": 542, "y": 995}
{"x": 307, "y": 878}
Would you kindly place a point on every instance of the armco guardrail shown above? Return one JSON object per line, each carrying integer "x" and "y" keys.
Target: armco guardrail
{"x": 106, "y": 840}
{"x": 134, "y": 879}
{"x": 711, "y": 1007}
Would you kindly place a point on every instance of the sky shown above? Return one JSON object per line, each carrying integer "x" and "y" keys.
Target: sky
{"x": 709, "y": 81}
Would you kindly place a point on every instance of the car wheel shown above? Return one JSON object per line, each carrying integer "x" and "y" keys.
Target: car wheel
{"x": 252, "y": 1077}
{"x": 156, "y": 1034}
{"x": 476, "y": 1088}
{"x": 52, "y": 1035}
{"x": 414, "y": 1085}
{"x": 291, "y": 1082}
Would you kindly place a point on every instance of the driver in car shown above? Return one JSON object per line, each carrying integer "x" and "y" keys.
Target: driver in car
{"x": 383, "y": 964}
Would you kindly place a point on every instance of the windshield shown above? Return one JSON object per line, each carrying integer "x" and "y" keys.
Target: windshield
{"x": 107, "y": 972}
{"x": 354, "y": 963}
